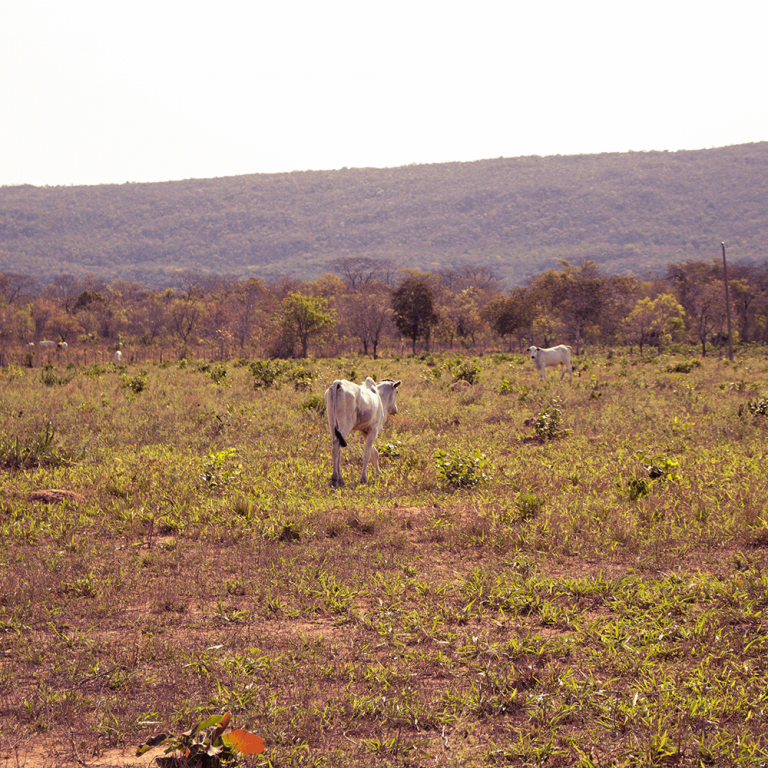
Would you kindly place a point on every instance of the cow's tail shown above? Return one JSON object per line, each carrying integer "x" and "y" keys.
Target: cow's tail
{"x": 339, "y": 436}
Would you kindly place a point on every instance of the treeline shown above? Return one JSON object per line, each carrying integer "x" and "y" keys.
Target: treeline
{"x": 370, "y": 306}
{"x": 629, "y": 212}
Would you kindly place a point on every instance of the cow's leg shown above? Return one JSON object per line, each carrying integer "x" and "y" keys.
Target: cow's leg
{"x": 368, "y": 451}
{"x": 336, "y": 478}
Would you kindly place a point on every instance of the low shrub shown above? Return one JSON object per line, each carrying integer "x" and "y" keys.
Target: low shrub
{"x": 461, "y": 470}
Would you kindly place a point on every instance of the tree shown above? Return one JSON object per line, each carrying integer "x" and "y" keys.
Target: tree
{"x": 246, "y": 298}
{"x": 183, "y": 317}
{"x": 511, "y": 314}
{"x": 359, "y": 272}
{"x": 654, "y": 320}
{"x": 368, "y": 314}
{"x": 16, "y": 287}
{"x": 305, "y": 317}
{"x": 707, "y": 312}
{"x": 413, "y": 305}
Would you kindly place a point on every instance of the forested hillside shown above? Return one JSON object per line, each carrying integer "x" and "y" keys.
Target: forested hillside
{"x": 629, "y": 212}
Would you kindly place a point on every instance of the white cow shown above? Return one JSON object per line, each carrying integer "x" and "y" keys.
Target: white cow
{"x": 118, "y": 357}
{"x": 362, "y": 407}
{"x": 559, "y": 355}
{"x": 47, "y": 344}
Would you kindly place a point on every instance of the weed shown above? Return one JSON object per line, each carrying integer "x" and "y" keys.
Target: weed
{"x": 41, "y": 450}
{"x": 207, "y": 744}
{"x": 136, "y": 383}
{"x": 50, "y": 377}
{"x": 218, "y": 374}
{"x": 548, "y": 425}
{"x": 220, "y": 468}
{"x": 660, "y": 467}
{"x": 529, "y": 505}
{"x": 754, "y": 407}
{"x": 267, "y": 373}
{"x": 683, "y": 367}
{"x": 315, "y": 404}
{"x": 302, "y": 377}
{"x": 462, "y": 470}
{"x": 391, "y": 450}
{"x": 464, "y": 370}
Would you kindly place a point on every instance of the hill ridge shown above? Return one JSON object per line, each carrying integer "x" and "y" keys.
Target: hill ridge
{"x": 630, "y": 212}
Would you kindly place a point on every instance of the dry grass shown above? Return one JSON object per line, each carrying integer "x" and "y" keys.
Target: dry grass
{"x": 598, "y": 598}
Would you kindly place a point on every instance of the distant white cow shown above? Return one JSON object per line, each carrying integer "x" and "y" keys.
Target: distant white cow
{"x": 47, "y": 344}
{"x": 552, "y": 356}
{"x": 364, "y": 408}
{"x": 118, "y": 357}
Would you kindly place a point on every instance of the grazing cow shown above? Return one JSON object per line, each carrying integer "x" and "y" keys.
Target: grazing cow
{"x": 543, "y": 358}
{"x": 118, "y": 357}
{"x": 362, "y": 407}
{"x": 47, "y": 344}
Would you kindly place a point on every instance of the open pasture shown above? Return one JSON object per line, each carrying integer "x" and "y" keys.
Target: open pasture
{"x": 547, "y": 574}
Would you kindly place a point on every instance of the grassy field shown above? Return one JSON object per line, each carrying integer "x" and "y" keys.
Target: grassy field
{"x": 546, "y": 575}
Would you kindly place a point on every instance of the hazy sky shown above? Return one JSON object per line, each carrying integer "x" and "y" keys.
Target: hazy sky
{"x": 110, "y": 91}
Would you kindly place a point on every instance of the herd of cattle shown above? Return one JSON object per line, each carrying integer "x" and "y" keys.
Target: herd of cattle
{"x": 365, "y": 408}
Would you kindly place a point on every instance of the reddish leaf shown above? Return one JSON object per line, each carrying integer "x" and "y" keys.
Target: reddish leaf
{"x": 244, "y": 741}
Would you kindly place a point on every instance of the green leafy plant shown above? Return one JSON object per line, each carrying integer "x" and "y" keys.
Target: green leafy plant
{"x": 218, "y": 374}
{"x": 220, "y": 470}
{"x": 301, "y": 377}
{"x": 135, "y": 384}
{"x": 549, "y": 423}
{"x": 529, "y": 505}
{"x": 391, "y": 450}
{"x": 431, "y": 374}
{"x": 205, "y": 745}
{"x": 464, "y": 370}
{"x": 461, "y": 470}
{"x": 50, "y": 377}
{"x": 660, "y": 467}
{"x": 267, "y": 373}
{"x": 685, "y": 367}
{"x": 314, "y": 403}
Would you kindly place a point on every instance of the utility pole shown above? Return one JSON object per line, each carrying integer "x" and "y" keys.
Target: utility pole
{"x": 727, "y": 305}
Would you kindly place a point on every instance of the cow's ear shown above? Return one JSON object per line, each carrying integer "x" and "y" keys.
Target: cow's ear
{"x": 396, "y": 384}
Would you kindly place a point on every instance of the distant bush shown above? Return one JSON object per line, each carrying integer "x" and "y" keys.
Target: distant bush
{"x": 135, "y": 384}
{"x": 301, "y": 376}
{"x": 754, "y": 407}
{"x": 267, "y": 373}
{"x": 685, "y": 367}
{"x": 51, "y": 378}
{"x": 464, "y": 370}
{"x": 314, "y": 403}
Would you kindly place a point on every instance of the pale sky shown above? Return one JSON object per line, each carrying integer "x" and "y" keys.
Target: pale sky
{"x": 105, "y": 91}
